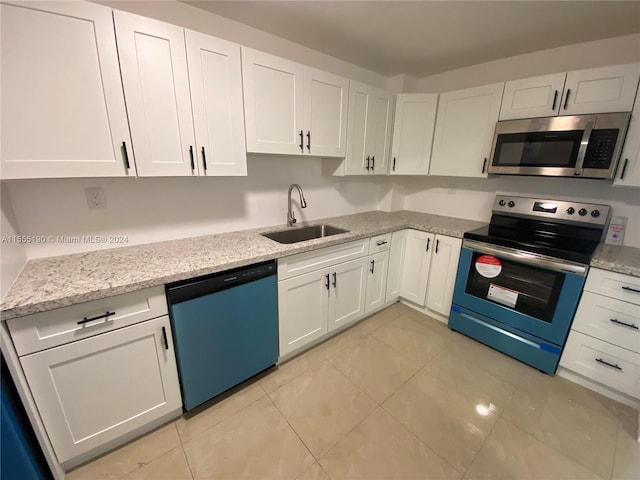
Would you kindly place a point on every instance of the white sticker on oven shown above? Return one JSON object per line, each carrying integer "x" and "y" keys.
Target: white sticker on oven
{"x": 488, "y": 266}
{"x": 502, "y": 295}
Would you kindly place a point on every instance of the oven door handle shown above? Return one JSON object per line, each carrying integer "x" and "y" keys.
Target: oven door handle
{"x": 528, "y": 258}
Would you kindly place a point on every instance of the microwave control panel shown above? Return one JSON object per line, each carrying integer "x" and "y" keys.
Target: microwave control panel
{"x": 602, "y": 144}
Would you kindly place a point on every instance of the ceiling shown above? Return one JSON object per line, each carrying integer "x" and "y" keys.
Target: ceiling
{"x": 423, "y": 38}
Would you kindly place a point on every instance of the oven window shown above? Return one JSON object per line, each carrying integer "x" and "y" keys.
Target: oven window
{"x": 527, "y": 289}
{"x": 538, "y": 149}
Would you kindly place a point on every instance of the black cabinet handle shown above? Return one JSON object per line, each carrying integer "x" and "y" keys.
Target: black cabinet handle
{"x": 193, "y": 165}
{"x": 484, "y": 165}
{"x": 368, "y": 162}
{"x": 624, "y": 168}
{"x": 301, "y": 141}
{"x": 428, "y": 242}
{"x": 97, "y": 317}
{"x": 309, "y": 140}
{"x": 566, "y": 99}
{"x": 204, "y": 160}
{"x": 327, "y": 279}
{"x": 612, "y": 365}
{"x": 164, "y": 337}
{"x": 555, "y": 99}
{"x": 630, "y": 325}
{"x": 629, "y": 289}
{"x": 394, "y": 164}
{"x": 373, "y": 162}
{"x": 335, "y": 279}
{"x": 373, "y": 262}
{"x": 125, "y": 156}
{"x": 437, "y": 245}
{"x": 383, "y": 242}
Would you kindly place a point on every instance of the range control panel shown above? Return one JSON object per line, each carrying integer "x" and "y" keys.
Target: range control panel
{"x": 554, "y": 210}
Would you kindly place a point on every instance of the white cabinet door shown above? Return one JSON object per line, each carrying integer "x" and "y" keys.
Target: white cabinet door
{"x": 383, "y": 103}
{"x": 417, "y": 260}
{"x": 325, "y": 113}
{"x": 156, "y": 85}
{"x": 601, "y": 90}
{"x": 465, "y": 125}
{"x": 377, "y": 281}
{"x": 360, "y": 139}
{"x": 303, "y": 306}
{"x": 215, "y": 78}
{"x": 533, "y": 97}
{"x": 97, "y": 389}
{"x": 396, "y": 263}
{"x": 63, "y": 110}
{"x": 347, "y": 294}
{"x": 628, "y": 173}
{"x": 273, "y": 105}
{"x": 413, "y": 126}
{"x": 442, "y": 275}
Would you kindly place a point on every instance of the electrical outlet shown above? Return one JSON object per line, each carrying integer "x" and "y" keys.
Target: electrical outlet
{"x": 95, "y": 198}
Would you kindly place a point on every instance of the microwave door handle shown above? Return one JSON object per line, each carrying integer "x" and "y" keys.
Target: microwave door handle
{"x": 582, "y": 151}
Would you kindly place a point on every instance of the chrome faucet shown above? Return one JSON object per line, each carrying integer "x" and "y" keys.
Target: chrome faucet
{"x": 291, "y": 219}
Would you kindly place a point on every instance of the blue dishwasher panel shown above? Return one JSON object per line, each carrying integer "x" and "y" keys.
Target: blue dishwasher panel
{"x": 224, "y": 338}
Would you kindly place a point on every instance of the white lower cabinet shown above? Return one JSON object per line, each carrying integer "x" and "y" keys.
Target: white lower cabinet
{"x": 603, "y": 346}
{"x": 442, "y": 273}
{"x": 429, "y": 270}
{"x": 347, "y": 292}
{"x": 92, "y": 391}
{"x": 320, "y": 291}
{"x": 417, "y": 260}
{"x": 396, "y": 264}
{"x": 377, "y": 281}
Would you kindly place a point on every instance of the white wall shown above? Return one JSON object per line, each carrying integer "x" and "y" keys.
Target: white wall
{"x": 221, "y": 27}
{"x": 12, "y": 255}
{"x": 599, "y": 53}
{"x": 473, "y": 198}
{"x": 155, "y": 209}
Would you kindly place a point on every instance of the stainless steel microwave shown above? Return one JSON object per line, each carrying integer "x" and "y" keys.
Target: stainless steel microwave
{"x": 586, "y": 146}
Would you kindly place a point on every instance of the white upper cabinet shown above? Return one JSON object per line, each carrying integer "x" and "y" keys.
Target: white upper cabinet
{"x": 533, "y": 97}
{"x": 628, "y": 173}
{"x": 413, "y": 127}
{"x": 368, "y": 132}
{"x": 292, "y": 109}
{"x": 601, "y": 90}
{"x": 156, "y": 85}
{"x": 594, "y": 90}
{"x": 215, "y": 78}
{"x": 325, "y": 113}
{"x": 63, "y": 110}
{"x": 465, "y": 124}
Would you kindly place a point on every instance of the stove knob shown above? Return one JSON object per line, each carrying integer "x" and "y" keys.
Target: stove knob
{"x": 571, "y": 210}
{"x": 502, "y": 203}
{"x": 595, "y": 213}
{"x": 512, "y": 204}
{"x": 582, "y": 212}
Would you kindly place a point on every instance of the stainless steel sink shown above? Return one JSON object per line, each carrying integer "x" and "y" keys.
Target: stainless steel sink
{"x": 294, "y": 235}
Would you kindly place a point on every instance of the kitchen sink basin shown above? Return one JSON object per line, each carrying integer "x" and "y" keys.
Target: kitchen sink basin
{"x": 294, "y": 235}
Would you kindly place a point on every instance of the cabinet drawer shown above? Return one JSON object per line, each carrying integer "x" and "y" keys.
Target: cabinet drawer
{"x": 608, "y": 319}
{"x": 602, "y": 362}
{"x": 612, "y": 284}
{"x": 380, "y": 243}
{"x": 323, "y": 257}
{"x": 63, "y": 325}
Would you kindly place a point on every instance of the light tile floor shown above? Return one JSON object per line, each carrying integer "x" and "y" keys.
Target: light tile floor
{"x": 397, "y": 396}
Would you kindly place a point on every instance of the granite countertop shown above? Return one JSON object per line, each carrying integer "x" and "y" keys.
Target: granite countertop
{"x": 49, "y": 283}
{"x": 617, "y": 259}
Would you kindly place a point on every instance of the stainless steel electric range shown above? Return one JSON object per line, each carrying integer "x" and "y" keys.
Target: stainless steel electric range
{"x": 520, "y": 278}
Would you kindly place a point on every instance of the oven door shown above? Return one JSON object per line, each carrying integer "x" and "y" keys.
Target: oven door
{"x": 531, "y": 293}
